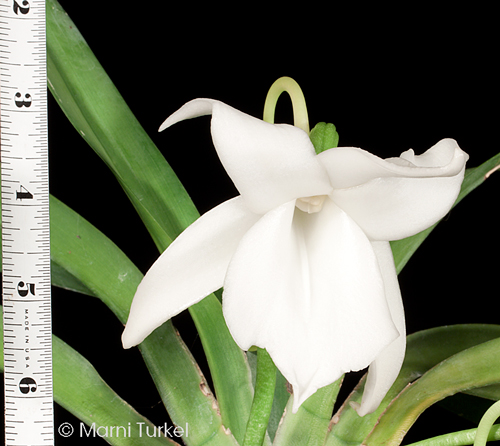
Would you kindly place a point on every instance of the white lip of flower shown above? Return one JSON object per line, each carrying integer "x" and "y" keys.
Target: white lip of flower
{"x": 318, "y": 290}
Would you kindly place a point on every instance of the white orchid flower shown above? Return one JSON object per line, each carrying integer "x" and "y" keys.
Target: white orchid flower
{"x": 303, "y": 253}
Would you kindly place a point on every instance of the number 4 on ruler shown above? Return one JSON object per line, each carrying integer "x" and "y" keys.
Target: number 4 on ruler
{"x": 23, "y": 194}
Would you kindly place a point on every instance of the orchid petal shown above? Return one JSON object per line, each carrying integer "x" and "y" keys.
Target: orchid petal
{"x": 396, "y": 198}
{"x": 385, "y": 369}
{"x": 269, "y": 164}
{"x": 307, "y": 287}
{"x": 191, "y": 268}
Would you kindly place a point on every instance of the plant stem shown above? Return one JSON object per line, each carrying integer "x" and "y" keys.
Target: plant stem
{"x": 287, "y": 84}
{"x": 262, "y": 400}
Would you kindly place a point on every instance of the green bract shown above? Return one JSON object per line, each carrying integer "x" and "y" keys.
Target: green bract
{"x": 324, "y": 136}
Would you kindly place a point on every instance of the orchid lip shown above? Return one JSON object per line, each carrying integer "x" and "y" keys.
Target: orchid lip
{"x": 311, "y": 205}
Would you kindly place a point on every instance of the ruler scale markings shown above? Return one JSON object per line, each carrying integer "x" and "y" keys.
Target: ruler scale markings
{"x": 25, "y": 224}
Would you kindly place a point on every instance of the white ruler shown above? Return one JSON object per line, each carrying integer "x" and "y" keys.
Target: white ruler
{"x": 25, "y": 224}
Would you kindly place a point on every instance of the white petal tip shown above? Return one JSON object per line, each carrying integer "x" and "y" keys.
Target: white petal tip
{"x": 192, "y": 109}
{"x": 356, "y": 406}
{"x": 168, "y": 123}
{"x": 128, "y": 339}
{"x": 363, "y": 409}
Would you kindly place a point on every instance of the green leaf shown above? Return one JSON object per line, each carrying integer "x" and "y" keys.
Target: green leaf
{"x": 185, "y": 405}
{"x": 79, "y": 388}
{"x": 281, "y": 398}
{"x": 489, "y": 392}
{"x": 324, "y": 136}
{"x": 85, "y": 254}
{"x": 78, "y": 82}
{"x": 91, "y": 258}
{"x": 404, "y": 249}
{"x": 61, "y": 278}
{"x": 424, "y": 350}
{"x": 229, "y": 368}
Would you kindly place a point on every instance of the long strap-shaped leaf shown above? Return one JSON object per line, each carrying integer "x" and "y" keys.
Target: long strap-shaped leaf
{"x": 89, "y": 256}
{"x": 79, "y": 388}
{"x": 113, "y": 132}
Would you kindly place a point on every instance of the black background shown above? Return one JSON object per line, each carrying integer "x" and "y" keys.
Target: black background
{"x": 389, "y": 80}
